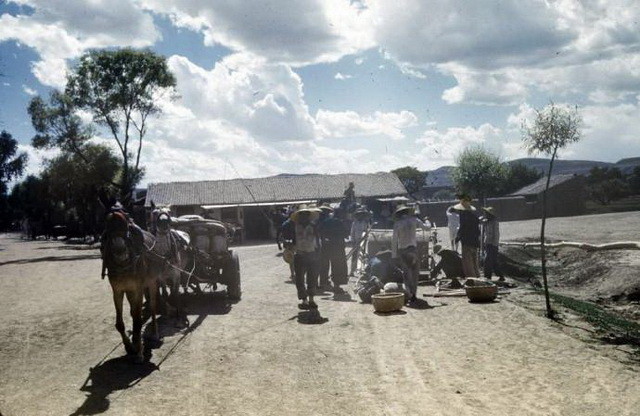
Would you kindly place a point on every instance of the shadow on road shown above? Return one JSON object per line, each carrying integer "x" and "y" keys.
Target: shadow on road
{"x": 113, "y": 375}
{"x": 311, "y": 317}
{"x": 52, "y": 259}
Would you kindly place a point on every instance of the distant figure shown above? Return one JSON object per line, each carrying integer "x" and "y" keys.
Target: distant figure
{"x": 450, "y": 263}
{"x": 279, "y": 216}
{"x": 453, "y": 223}
{"x": 332, "y": 256}
{"x": 404, "y": 247}
{"x": 491, "y": 244}
{"x": 350, "y": 194}
{"x": 358, "y": 229}
{"x": 468, "y": 235}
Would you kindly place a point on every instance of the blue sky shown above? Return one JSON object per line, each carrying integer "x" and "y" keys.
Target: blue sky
{"x": 338, "y": 86}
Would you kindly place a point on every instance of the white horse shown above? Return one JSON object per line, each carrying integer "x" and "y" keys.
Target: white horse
{"x": 171, "y": 247}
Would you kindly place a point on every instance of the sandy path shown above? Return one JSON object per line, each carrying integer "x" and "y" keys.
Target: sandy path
{"x": 255, "y": 357}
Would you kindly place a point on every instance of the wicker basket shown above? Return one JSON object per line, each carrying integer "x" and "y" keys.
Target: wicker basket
{"x": 481, "y": 293}
{"x": 387, "y": 302}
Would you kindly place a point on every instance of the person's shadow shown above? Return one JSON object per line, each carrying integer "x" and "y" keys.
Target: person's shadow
{"x": 311, "y": 317}
{"x": 115, "y": 374}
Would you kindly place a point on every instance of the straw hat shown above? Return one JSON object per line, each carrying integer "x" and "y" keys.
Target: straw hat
{"x": 403, "y": 208}
{"x": 325, "y": 207}
{"x": 313, "y": 211}
{"x": 361, "y": 212}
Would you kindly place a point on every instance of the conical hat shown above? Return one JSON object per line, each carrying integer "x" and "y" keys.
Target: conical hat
{"x": 312, "y": 209}
{"x": 403, "y": 208}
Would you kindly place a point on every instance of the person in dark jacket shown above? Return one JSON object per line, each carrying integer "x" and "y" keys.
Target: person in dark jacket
{"x": 332, "y": 255}
{"x": 468, "y": 235}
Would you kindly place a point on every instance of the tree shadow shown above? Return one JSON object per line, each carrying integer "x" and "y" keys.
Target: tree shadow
{"x": 311, "y": 317}
{"x": 52, "y": 259}
{"x": 340, "y": 297}
{"x": 113, "y": 375}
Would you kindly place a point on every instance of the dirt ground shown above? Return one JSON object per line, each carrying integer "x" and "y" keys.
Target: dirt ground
{"x": 60, "y": 354}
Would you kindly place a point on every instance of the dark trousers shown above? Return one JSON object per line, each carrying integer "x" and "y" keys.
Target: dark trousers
{"x": 491, "y": 262}
{"x": 333, "y": 258}
{"x": 305, "y": 265}
{"x": 411, "y": 269}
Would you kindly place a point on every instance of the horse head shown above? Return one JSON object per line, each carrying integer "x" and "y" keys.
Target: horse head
{"x": 117, "y": 248}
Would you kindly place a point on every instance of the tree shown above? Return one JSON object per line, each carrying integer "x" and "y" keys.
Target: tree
{"x": 634, "y": 181}
{"x": 412, "y": 179}
{"x": 74, "y": 182}
{"x": 479, "y": 173}
{"x": 120, "y": 89}
{"x": 12, "y": 165}
{"x": 553, "y": 129}
{"x": 518, "y": 175}
{"x": 607, "y": 184}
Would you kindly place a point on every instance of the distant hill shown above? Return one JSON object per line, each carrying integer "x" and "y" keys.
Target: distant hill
{"x": 441, "y": 177}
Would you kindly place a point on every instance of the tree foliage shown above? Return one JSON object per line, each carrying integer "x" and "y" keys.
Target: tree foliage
{"x": 554, "y": 128}
{"x": 479, "y": 172}
{"x": 412, "y": 178}
{"x": 518, "y": 175}
{"x": 606, "y": 184}
{"x": 120, "y": 90}
{"x": 12, "y": 164}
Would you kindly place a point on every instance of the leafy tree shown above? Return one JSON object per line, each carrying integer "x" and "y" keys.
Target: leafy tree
{"x": 553, "y": 129}
{"x": 444, "y": 195}
{"x": 412, "y": 179}
{"x": 518, "y": 175}
{"x": 479, "y": 173}
{"x": 634, "y": 181}
{"x": 57, "y": 124}
{"x": 74, "y": 182}
{"x": 120, "y": 90}
{"x": 12, "y": 165}
{"x": 607, "y": 184}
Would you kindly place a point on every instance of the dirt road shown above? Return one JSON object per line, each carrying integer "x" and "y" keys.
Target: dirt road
{"x": 60, "y": 354}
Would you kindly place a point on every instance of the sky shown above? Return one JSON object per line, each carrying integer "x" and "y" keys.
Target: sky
{"x": 336, "y": 86}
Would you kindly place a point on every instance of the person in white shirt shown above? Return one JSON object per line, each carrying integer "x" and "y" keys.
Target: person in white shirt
{"x": 453, "y": 222}
{"x": 404, "y": 247}
{"x": 358, "y": 229}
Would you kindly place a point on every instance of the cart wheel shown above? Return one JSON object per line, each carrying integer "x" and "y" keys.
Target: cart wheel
{"x": 234, "y": 291}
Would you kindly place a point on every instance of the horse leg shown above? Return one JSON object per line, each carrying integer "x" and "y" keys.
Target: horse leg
{"x": 118, "y": 296}
{"x": 153, "y": 304}
{"x": 135, "y": 304}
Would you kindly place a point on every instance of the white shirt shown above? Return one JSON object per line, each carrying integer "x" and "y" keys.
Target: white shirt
{"x": 404, "y": 233}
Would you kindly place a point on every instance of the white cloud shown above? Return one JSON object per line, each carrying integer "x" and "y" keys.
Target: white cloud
{"x": 444, "y": 146}
{"x": 29, "y": 91}
{"x": 349, "y": 124}
{"x": 296, "y": 33}
{"x": 340, "y": 76}
{"x": 63, "y": 29}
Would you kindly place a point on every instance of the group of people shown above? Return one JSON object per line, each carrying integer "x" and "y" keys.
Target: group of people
{"x": 314, "y": 242}
{"x": 467, "y": 226}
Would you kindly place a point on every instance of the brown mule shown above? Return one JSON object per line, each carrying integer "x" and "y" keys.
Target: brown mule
{"x": 125, "y": 254}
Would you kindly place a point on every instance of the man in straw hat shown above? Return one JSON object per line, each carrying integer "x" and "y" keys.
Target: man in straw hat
{"x": 468, "y": 235}
{"x": 404, "y": 246}
{"x": 332, "y": 234}
{"x": 302, "y": 232}
{"x": 491, "y": 243}
{"x": 358, "y": 229}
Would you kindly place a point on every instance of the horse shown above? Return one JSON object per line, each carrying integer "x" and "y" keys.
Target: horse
{"x": 172, "y": 246}
{"x": 131, "y": 269}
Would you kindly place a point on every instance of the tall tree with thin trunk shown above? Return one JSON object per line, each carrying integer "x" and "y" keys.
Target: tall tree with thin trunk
{"x": 120, "y": 89}
{"x": 554, "y": 128}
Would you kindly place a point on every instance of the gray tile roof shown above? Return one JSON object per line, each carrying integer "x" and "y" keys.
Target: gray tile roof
{"x": 273, "y": 189}
{"x": 539, "y": 186}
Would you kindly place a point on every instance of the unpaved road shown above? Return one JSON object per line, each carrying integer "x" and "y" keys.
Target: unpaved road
{"x": 60, "y": 354}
